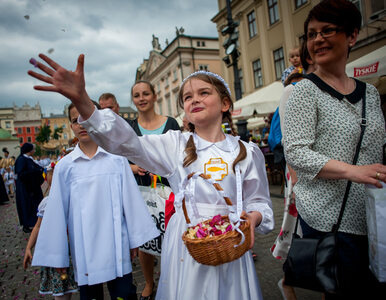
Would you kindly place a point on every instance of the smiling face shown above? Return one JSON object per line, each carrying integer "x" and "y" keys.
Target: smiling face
{"x": 78, "y": 129}
{"x": 328, "y": 51}
{"x": 202, "y": 103}
{"x": 143, "y": 97}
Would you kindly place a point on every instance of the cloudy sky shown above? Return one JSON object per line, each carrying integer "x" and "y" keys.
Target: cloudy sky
{"x": 114, "y": 35}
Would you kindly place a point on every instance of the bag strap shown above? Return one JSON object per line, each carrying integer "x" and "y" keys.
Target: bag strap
{"x": 335, "y": 227}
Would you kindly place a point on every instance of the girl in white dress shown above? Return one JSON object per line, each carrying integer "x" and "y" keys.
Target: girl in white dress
{"x": 206, "y": 100}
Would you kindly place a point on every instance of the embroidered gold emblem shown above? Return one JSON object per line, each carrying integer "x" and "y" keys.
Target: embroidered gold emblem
{"x": 216, "y": 168}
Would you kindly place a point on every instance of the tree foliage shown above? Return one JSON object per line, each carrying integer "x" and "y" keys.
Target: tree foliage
{"x": 44, "y": 134}
{"x": 57, "y": 132}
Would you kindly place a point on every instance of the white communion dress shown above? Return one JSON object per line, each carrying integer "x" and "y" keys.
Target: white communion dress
{"x": 181, "y": 276}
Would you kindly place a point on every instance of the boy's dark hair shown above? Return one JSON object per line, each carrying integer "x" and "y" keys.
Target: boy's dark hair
{"x": 292, "y": 77}
{"x": 71, "y": 106}
{"x": 342, "y": 13}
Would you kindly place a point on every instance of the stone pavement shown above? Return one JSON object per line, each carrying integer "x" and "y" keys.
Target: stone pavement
{"x": 17, "y": 283}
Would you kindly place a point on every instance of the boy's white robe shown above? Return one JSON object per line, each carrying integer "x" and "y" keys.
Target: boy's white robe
{"x": 98, "y": 201}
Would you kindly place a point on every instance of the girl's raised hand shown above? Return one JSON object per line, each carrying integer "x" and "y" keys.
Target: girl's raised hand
{"x": 69, "y": 84}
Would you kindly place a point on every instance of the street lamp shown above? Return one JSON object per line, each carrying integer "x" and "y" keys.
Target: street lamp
{"x": 232, "y": 55}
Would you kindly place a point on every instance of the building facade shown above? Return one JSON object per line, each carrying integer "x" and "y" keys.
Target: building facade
{"x": 6, "y": 120}
{"x": 127, "y": 113}
{"x": 269, "y": 29}
{"x": 166, "y": 68}
{"x": 55, "y": 121}
{"x": 27, "y": 122}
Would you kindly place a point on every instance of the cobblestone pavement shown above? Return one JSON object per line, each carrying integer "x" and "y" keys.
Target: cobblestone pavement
{"x": 17, "y": 283}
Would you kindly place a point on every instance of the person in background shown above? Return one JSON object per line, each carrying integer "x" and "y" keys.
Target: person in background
{"x": 321, "y": 132}
{"x": 108, "y": 100}
{"x": 52, "y": 281}
{"x": 296, "y": 65}
{"x": 95, "y": 201}
{"x": 148, "y": 123}
{"x": 29, "y": 177}
{"x": 9, "y": 181}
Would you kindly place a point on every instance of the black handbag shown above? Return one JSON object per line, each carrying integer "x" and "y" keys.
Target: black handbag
{"x": 312, "y": 263}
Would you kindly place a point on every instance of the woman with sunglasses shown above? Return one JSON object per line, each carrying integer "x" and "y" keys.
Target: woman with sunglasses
{"x": 322, "y": 129}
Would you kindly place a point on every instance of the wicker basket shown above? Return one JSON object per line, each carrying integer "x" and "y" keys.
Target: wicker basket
{"x": 217, "y": 250}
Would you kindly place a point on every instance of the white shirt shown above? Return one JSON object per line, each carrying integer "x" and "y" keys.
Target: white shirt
{"x": 98, "y": 200}
{"x": 164, "y": 154}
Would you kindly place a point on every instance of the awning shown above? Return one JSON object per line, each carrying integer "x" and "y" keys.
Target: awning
{"x": 371, "y": 65}
{"x": 254, "y": 123}
{"x": 259, "y": 103}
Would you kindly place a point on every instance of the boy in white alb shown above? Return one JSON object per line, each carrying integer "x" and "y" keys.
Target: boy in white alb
{"x": 95, "y": 197}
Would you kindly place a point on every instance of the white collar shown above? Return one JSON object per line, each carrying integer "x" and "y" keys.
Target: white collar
{"x": 202, "y": 144}
{"x": 78, "y": 153}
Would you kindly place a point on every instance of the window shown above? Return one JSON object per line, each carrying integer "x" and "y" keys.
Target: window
{"x": 55, "y": 126}
{"x": 241, "y": 77}
{"x": 252, "y": 24}
{"x": 29, "y": 140}
{"x": 158, "y": 87}
{"x": 175, "y": 75}
{"x": 198, "y": 43}
{"x": 299, "y": 3}
{"x": 21, "y": 140}
{"x": 167, "y": 81}
{"x": 203, "y": 43}
{"x": 65, "y": 136}
{"x": 28, "y": 130}
{"x": 377, "y": 6}
{"x": 37, "y": 129}
{"x": 273, "y": 11}
{"x": 64, "y": 126}
{"x": 278, "y": 57}
{"x": 7, "y": 124}
{"x": 19, "y": 131}
{"x": 203, "y": 67}
{"x": 160, "y": 108}
{"x": 169, "y": 103}
{"x": 257, "y": 74}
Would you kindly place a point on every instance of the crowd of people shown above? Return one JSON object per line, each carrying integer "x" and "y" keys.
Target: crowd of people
{"x": 95, "y": 220}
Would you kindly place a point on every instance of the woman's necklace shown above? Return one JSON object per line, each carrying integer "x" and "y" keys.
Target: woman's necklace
{"x": 346, "y": 88}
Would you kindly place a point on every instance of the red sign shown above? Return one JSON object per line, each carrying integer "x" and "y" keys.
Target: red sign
{"x": 236, "y": 112}
{"x": 364, "y": 71}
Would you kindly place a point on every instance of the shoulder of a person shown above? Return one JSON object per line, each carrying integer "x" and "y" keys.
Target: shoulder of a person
{"x": 173, "y": 124}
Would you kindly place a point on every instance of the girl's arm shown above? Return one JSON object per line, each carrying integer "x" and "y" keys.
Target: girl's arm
{"x": 70, "y": 84}
{"x": 31, "y": 243}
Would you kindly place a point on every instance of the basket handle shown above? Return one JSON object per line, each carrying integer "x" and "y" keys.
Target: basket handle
{"x": 216, "y": 186}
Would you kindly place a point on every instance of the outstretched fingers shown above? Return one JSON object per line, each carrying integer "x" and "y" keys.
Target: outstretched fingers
{"x": 80, "y": 65}
{"x": 49, "y": 61}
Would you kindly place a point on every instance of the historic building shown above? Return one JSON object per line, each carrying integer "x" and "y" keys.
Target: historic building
{"x": 27, "y": 122}
{"x": 55, "y": 121}
{"x": 6, "y": 119}
{"x": 269, "y": 29}
{"x": 166, "y": 68}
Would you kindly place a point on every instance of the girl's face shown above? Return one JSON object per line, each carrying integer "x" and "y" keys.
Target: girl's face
{"x": 328, "y": 50}
{"x": 202, "y": 103}
{"x": 143, "y": 97}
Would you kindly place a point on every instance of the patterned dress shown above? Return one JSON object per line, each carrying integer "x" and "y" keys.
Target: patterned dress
{"x": 50, "y": 282}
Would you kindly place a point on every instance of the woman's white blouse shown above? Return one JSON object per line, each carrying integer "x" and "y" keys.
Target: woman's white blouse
{"x": 319, "y": 128}
{"x": 164, "y": 154}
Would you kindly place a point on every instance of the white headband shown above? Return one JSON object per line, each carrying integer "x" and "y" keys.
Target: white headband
{"x": 208, "y": 74}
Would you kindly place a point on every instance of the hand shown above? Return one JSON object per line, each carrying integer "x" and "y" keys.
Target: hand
{"x": 133, "y": 253}
{"x": 368, "y": 174}
{"x": 70, "y": 84}
{"x": 138, "y": 170}
{"x": 255, "y": 219}
{"x": 27, "y": 258}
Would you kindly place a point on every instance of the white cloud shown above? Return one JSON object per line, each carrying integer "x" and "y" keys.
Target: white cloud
{"x": 114, "y": 35}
